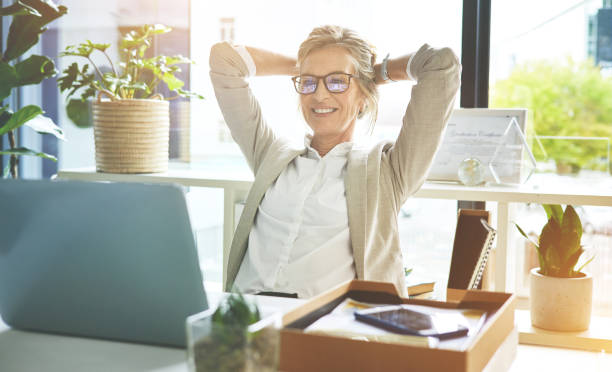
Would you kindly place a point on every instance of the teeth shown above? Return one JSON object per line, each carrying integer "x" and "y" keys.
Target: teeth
{"x": 324, "y": 111}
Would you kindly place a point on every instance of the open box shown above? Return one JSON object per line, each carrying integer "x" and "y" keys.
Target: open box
{"x": 302, "y": 351}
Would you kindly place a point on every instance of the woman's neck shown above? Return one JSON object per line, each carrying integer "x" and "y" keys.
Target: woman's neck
{"x": 324, "y": 143}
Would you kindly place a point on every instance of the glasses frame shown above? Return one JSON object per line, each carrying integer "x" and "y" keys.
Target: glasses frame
{"x": 318, "y": 78}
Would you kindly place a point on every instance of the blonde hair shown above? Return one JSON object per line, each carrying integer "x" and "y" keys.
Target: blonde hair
{"x": 361, "y": 52}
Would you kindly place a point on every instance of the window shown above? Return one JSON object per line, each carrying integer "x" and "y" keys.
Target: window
{"x": 555, "y": 60}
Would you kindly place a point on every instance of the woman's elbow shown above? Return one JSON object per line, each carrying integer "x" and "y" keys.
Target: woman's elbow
{"x": 217, "y": 51}
{"x": 449, "y": 63}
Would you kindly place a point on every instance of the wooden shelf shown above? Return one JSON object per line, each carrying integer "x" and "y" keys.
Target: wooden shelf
{"x": 597, "y": 338}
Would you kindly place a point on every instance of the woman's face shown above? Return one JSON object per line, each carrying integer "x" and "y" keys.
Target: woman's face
{"x": 330, "y": 113}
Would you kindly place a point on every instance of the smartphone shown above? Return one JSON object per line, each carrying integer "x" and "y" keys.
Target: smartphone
{"x": 399, "y": 319}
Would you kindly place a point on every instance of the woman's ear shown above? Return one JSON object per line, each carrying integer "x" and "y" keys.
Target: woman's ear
{"x": 362, "y": 110}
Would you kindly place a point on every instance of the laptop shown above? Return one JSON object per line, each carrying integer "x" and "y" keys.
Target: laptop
{"x": 106, "y": 260}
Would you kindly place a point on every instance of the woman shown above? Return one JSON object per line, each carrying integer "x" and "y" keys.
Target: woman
{"x": 324, "y": 213}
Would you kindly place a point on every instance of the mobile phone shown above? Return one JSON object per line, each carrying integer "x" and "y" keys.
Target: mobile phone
{"x": 399, "y": 319}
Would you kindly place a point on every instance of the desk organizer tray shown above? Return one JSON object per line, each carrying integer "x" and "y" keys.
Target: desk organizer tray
{"x": 302, "y": 351}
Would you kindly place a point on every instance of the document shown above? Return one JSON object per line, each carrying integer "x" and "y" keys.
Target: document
{"x": 341, "y": 322}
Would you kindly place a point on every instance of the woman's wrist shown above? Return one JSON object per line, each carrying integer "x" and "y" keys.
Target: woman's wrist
{"x": 396, "y": 68}
{"x": 395, "y": 71}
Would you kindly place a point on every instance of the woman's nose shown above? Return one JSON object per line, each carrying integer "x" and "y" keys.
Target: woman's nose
{"x": 321, "y": 91}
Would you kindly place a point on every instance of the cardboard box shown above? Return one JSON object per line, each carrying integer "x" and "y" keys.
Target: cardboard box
{"x": 316, "y": 352}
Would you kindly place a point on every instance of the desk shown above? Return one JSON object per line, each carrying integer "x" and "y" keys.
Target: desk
{"x": 237, "y": 185}
{"x": 29, "y": 351}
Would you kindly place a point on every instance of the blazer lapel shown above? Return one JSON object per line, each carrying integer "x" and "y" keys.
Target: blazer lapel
{"x": 267, "y": 174}
{"x": 356, "y": 200}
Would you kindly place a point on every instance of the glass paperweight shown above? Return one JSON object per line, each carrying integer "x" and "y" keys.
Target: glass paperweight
{"x": 471, "y": 172}
{"x": 512, "y": 162}
{"x": 223, "y": 347}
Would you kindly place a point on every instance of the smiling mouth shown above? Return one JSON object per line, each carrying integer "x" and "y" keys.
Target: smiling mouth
{"x": 324, "y": 111}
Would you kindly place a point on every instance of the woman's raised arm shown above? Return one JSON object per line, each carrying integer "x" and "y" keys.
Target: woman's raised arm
{"x": 270, "y": 63}
{"x": 437, "y": 73}
{"x": 229, "y": 68}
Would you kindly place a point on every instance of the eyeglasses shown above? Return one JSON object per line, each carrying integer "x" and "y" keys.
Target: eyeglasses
{"x": 336, "y": 82}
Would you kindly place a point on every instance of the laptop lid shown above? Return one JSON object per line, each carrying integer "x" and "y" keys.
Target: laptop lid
{"x": 105, "y": 260}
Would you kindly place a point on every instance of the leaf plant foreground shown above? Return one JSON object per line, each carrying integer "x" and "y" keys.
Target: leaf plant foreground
{"x": 28, "y": 21}
{"x": 559, "y": 245}
{"x": 136, "y": 76}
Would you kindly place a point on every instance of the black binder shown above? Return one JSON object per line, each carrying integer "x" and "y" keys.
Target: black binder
{"x": 471, "y": 248}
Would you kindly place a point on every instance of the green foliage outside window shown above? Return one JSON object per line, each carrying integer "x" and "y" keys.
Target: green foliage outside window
{"x": 565, "y": 98}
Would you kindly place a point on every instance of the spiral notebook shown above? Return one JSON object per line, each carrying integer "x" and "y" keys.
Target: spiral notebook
{"x": 471, "y": 249}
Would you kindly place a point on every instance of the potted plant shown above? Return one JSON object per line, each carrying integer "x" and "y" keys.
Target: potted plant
{"x": 233, "y": 337}
{"x": 131, "y": 119}
{"x": 561, "y": 296}
{"x": 28, "y": 23}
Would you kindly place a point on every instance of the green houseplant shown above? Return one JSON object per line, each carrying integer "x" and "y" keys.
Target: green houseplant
{"x": 233, "y": 337}
{"x": 561, "y": 295}
{"x": 131, "y": 126}
{"x": 29, "y": 18}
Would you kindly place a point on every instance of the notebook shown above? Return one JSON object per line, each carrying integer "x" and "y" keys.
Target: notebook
{"x": 104, "y": 260}
{"x": 471, "y": 249}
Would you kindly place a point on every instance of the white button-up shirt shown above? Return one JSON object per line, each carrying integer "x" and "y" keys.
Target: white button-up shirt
{"x": 300, "y": 240}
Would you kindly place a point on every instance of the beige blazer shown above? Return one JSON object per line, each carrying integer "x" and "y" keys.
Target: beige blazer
{"x": 379, "y": 178}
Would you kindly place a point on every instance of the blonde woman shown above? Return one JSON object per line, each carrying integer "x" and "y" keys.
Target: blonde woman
{"x": 326, "y": 212}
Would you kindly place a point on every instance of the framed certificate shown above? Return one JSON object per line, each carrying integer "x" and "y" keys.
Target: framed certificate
{"x": 477, "y": 133}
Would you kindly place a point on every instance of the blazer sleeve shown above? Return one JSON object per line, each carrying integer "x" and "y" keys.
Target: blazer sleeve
{"x": 438, "y": 74}
{"x": 240, "y": 109}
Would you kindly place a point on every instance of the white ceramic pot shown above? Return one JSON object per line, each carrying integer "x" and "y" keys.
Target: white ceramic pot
{"x": 560, "y": 304}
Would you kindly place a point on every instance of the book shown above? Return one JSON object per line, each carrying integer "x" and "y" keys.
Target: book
{"x": 471, "y": 248}
{"x": 417, "y": 288}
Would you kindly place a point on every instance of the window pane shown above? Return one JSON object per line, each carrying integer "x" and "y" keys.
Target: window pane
{"x": 556, "y": 61}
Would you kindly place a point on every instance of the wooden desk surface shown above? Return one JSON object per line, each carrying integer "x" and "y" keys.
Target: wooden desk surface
{"x": 30, "y": 351}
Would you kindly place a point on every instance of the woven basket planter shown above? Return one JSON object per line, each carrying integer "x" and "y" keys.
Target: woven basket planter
{"x": 131, "y": 135}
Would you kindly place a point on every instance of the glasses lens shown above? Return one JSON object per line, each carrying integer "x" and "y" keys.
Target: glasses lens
{"x": 306, "y": 84}
{"x": 337, "y": 83}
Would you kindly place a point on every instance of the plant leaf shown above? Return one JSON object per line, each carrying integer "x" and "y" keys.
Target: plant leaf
{"x": 24, "y": 31}
{"x": 7, "y": 170}
{"x": 79, "y": 112}
{"x": 18, "y": 8}
{"x": 188, "y": 94}
{"x": 100, "y": 47}
{"x": 525, "y": 235}
{"x": 172, "y": 81}
{"x": 5, "y": 115}
{"x": 571, "y": 233}
{"x": 22, "y": 151}
{"x": 569, "y": 264}
{"x": 554, "y": 210}
{"x": 549, "y": 241}
{"x": 34, "y": 70}
{"x": 20, "y": 117}
{"x": 70, "y": 75}
{"x": 584, "y": 264}
{"x": 45, "y": 125}
{"x": 8, "y": 79}
{"x": 156, "y": 29}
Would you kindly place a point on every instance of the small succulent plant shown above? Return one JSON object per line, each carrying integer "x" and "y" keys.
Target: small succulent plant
{"x": 559, "y": 245}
